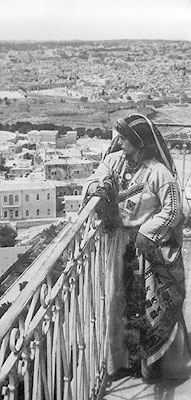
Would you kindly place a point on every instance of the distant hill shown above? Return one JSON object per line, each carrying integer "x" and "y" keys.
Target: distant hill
{"x": 26, "y": 45}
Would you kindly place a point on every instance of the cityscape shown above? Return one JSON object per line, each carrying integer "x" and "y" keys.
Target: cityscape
{"x": 59, "y": 102}
{"x": 64, "y": 82}
{"x": 55, "y": 95}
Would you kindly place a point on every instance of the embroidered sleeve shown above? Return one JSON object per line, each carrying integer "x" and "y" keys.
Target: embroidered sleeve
{"x": 165, "y": 188}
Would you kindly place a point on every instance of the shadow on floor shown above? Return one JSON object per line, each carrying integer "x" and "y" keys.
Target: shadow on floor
{"x": 135, "y": 389}
{"x": 166, "y": 390}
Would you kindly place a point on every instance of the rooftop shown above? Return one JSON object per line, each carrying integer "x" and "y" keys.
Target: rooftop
{"x": 68, "y": 161}
{"x": 74, "y": 197}
{"x": 25, "y": 184}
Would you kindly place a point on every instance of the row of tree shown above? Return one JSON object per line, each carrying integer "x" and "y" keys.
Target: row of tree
{"x": 25, "y": 127}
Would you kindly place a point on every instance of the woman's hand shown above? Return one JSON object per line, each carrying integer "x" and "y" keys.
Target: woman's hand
{"x": 92, "y": 188}
{"x": 143, "y": 244}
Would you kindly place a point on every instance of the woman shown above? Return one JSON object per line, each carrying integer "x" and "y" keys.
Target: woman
{"x": 145, "y": 277}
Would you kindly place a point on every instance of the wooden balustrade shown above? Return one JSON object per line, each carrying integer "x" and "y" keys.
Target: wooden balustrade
{"x": 52, "y": 336}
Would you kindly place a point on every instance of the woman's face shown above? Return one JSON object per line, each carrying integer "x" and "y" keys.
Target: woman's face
{"x": 127, "y": 147}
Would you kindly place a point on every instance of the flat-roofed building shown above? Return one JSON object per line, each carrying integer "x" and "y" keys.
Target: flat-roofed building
{"x": 8, "y": 151}
{"x": 23, "y": 199}
{"x": 69, "y": 188}
{"x": 47, "y": 136}
{"x": 21, "y": 168}
{"x": 70, "y": 168}
{"x": 71, "y": 137}
{"x": 72, "y": 203}
{"x": 61, "y": 142}
{"x": 64, "y": 140}
{"x": 34, "y": 136}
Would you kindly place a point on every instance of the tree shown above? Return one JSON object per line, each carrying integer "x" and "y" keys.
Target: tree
{"x": 7, "y": 236}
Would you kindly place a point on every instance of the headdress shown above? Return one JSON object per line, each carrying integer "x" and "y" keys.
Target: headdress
{"x": 142, "y": 133}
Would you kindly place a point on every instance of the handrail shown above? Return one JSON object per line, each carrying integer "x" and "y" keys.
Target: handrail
{"x": 54, "y": 326}
{"x": 173, "y": 124}
{"x": 45, "y": 260}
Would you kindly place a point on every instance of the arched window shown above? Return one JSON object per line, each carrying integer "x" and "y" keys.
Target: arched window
{"x": 27, "y": 213}
{"x": 48, "y": 211}
{"x": 5, "y": 214}
{"x": 5, "y": 199}
{"x": 26, "y": 197}
{"x": 16, "y": 198}
{"x": 37, "y": 212}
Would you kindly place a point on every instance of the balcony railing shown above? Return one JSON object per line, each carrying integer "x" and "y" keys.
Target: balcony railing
{"x": 52, "y": 335}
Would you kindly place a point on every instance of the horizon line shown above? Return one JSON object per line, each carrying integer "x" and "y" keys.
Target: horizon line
{"x": 94, "y": 40}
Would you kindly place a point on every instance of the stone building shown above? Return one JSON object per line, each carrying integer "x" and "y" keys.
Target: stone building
{"x": 67, "y": 169}
{"x": 43, "y": 136}
{"x": 72, "y": 203}
{"x": 22, "y": 199}
{"x": 21, "y": 168}
{"x": 69, "y": 188}
{"x": 69, "y": 139}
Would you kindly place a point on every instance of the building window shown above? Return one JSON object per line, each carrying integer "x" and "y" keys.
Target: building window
{"x": 75, "y": 192}
{"x": 26, "y": 197}
{"x": 37, "y": 196}
{"x": 27, "y": 213}
{"x": 11, "y": 199}
{"x": 16, "y": 198}
{"x": 5, "y": 199}
{"x": 48, "y": 196}
{"x": 10, "y": 214}
{"x": 5, "y": 214}
{"x": 16, "y": 213}
{"x": 48, "y": 211}
{"x": 38, "y": 212}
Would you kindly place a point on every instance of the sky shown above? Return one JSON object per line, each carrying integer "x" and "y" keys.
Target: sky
{"x": 95, "y": 19}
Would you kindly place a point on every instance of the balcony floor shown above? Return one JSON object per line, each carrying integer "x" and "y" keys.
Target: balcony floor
{"x": 178, "y": 388}
{"x": 134, "y": 389}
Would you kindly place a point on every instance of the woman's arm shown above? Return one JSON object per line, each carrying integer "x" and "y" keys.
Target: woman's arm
{"x": 165, "y": 188}
{"x": 96, "y": 179}
{"x": 104, "y": 171}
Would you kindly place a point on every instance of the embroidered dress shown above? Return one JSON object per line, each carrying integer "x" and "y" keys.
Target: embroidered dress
{"x": 144, "y": 295}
